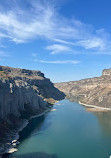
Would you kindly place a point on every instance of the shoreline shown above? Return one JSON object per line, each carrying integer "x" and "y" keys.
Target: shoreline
{"x": 14, "y": 142}
{"x": 96, "y": 107}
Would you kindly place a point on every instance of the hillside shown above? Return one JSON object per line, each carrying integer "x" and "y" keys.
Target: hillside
{"x": 92, "y": 91}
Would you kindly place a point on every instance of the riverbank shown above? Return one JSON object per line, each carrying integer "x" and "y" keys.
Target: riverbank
{"x": 95, "y": 107}
{"x": 11, "y": 147}
{"x": 58, "y": 133}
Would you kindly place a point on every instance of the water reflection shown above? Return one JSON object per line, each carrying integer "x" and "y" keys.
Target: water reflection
{"x": 69, "y": 132}
{"x": 36, "y": 155}
{"x": 35, "y": 127}
{"x": 104, "y": 119}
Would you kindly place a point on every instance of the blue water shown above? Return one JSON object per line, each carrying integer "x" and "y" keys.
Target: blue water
{"x": 68, "y": 132}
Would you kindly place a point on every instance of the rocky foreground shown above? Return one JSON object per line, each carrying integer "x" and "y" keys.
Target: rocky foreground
{"x": 23, "y": 94}
{"x": 92, "y": 91}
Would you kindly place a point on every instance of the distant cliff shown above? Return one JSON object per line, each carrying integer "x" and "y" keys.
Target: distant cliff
{"x": 92, "y": 91}
{"x": 23, "y": 93}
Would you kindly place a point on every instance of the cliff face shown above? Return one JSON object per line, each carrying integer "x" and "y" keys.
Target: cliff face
{"x": 93, "y": 91}
{"x": 19, "y": 87}
{"x": 14, "y": 95}
{"x": 23, "y": 93}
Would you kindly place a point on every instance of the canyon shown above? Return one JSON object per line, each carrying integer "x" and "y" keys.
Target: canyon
{"x": 23, "y": 94}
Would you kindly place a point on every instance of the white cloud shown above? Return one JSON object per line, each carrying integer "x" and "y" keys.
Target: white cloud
{"x": 57, "y": 48}
{"x": 15, "y": 26}
{"x": 58, "y": 61}
{"x": 64, "y": 42}
{"x": 41, "y": 19}
{"x": 92, "y": 43}
{"x": 34, "y": 54}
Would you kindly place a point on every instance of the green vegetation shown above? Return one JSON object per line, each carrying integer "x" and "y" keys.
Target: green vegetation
{"x": 4, "y": 75}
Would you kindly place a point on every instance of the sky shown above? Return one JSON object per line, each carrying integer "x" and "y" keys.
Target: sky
{"x": 67, "y": 40}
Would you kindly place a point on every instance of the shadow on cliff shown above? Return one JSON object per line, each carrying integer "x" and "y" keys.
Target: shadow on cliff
{"x": 35, "y": 126}
{"x": 36, "y": 155}
{"x": 56, "y": 94}
{"x": 50, "y": 91}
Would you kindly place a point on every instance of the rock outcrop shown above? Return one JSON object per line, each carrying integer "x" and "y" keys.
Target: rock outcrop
{"x": 23, "y": 93}
{"x": 93, "y": 91}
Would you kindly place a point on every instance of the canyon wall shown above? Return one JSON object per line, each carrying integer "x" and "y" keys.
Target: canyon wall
{"x": 92, "y": 91}
{"x": 23, "y": 93}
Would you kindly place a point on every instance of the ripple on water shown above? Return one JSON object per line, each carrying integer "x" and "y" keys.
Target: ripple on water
{"x": 36, "y": 155}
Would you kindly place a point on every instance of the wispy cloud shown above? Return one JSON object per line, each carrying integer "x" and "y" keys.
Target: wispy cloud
{"x": 57, "y": 48}
{"x": 34, "y": 54}
{"x": 42, "y": 20}
{"x": 92, "y": 43}
{"x": 64, "y": 42}
{"x": 58, "y": 61}
{"x": 15, "y": 26}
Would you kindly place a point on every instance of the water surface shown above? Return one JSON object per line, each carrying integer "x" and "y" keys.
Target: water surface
{"x": 68, "y": 132}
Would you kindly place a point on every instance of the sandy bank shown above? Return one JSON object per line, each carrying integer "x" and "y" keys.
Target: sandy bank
{"x": 96, "y": 107}
{"x": 95, "y": 110}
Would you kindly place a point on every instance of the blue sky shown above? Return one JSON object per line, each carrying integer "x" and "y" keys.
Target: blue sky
{"x": 67, "y": 40}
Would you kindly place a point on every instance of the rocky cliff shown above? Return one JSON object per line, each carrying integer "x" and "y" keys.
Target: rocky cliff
{"x": 23, "y": 93}
{"x": 93, "y": 91}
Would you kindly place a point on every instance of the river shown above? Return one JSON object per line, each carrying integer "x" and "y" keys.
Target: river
{"x": 68, "y": 131}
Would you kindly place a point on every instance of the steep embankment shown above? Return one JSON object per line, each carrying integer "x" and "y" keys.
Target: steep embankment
{"x": 23, "y": 93}
{"x": 93, "y": 91}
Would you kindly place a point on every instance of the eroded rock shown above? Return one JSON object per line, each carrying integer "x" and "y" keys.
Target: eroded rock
{"x": 92, "y": 91}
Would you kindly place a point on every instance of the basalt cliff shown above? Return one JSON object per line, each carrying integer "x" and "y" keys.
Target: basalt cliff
{"x": 92, "y": 91}
{"x": 23, "y": 93}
